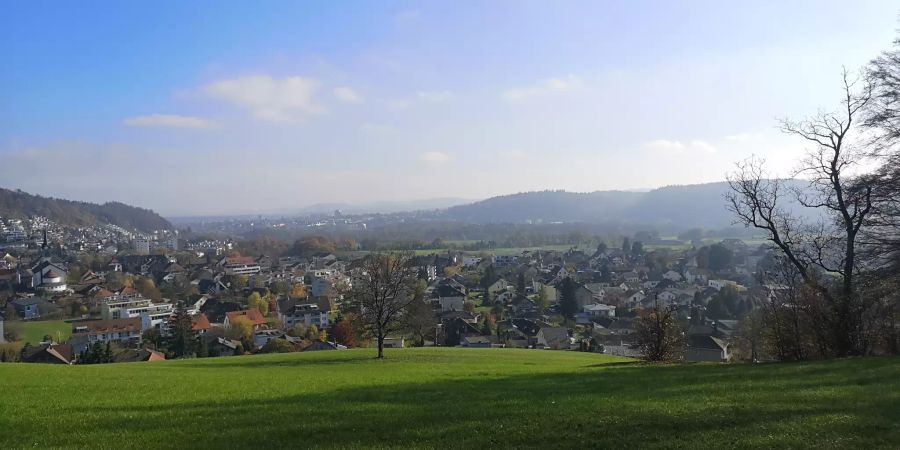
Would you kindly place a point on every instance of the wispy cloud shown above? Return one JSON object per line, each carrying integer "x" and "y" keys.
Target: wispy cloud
{"x": 542, "y": 88}
{"x": 434, "y": 157}
{"x": 288, "y": 99}
{"x": 168, "y": 120}
{"x": 679, "y": 148}
{"x": 347, "y": 95}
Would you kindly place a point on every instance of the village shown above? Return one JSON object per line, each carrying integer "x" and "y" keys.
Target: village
{"x": 120, "y": 296}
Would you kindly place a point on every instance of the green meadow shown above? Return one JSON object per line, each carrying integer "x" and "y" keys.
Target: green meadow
{"x": 34, "y": 332}
{"x": 450, "y": 398}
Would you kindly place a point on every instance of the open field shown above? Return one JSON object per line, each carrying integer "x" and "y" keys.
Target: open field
{"x": 503, "y": 250}
{"x": 34, "y": 332}
{"x": 441, "y": 398}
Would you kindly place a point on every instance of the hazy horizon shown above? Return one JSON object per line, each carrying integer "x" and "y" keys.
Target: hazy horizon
{"x": 195, "y": 109}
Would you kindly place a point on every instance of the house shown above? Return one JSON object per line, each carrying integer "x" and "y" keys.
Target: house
{"x": 139, "y": 355}
{"x": 498, "y": 286}
{"x": 321, "y": 286}
{"x": 452, "y": 303}
{"x": 27, "y": 308}
{"x": 124, "y": 331}
{"x": 49, "y": 276}
{"x": 600, "y": 310}
{"x": 200, "y": 323}
{"x": 672, "y": 276}
{"x": 706, "y": 348}
{"x": 479, "y": 341}
{"x": 634, "y": 297}
{"x": 553, "y": 337}
{"x": 256, "y": 318}
{"x": 262, "y": 337}
{"x": 393, "y": 342}
{"x": 219, "y": 346}
{"x": 239, "y": 265}
{"x": 293, "y": 312}
{"x": 583, "y": 296}
{"x": 49, "y": 353}
{"x": 450, "y": 294}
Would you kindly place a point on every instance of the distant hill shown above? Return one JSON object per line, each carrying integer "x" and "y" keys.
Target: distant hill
{"x": 384, "y": 207}
{"x": 698, "y": 205}
{"x": 20, "y": 205}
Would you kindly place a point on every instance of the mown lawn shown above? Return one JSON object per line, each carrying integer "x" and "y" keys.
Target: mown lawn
{"x": 457, "y": 398}
{"x": 34, "y": 332}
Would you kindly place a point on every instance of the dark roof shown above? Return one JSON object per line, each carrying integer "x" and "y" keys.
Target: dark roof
{"x": 706, "y": 342}
{"x": 49, "y": 353}
{"x": 135, "y": 355}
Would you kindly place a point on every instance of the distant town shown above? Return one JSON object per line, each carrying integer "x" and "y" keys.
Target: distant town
{"x": 81, "y": 295}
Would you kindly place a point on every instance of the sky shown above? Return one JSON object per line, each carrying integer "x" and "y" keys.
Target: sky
{"x": 212, "y": 107}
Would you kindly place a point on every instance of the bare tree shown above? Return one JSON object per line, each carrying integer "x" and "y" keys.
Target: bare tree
{"x": 658, "y": 335}
{"x": 383, "y": 289}
{"x": 827, "y": 249}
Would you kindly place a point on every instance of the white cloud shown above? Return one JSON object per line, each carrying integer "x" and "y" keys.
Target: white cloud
{"x": 678, "y": 148}
{"x": 168, "y": 120}
{"x": 347, "y": 95}
{"x": 543, "y": 88}
{"x": 744, "y": 137}
{"x": 702, "y": 147}
{"x": 273, "y": 99}
{"x": 433, "y": 96}
{"x": 434, "y": 157}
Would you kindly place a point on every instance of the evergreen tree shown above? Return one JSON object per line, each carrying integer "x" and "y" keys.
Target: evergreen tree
{"x": 568, "y": 305}
{"x": 520, "y": 285}
{"x": 182, "y": 339}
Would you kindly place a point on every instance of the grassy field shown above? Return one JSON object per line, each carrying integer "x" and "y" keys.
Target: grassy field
{"x": 34, "y": 332}
{"x": 458, "y": 398}
{"x": 514, "y": 251}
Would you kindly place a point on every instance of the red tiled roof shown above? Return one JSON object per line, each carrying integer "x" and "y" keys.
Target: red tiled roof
{"x": 199, "y": 322}
{"x": 253, "y": 314}
{"x": 240, "y": 260}
{"x": 107, "y": 326}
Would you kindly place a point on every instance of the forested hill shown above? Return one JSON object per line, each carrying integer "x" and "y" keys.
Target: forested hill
{"x": 686, "y": 206}
{"x": 19, "y": 205}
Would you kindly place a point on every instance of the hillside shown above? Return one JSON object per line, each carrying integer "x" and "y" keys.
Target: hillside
{"x": 450, "y": 398}
{"x": 20, "y": 205}
{"x": 699, "y": 205}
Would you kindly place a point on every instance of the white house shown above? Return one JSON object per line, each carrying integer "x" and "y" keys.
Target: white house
{"x": 672, "y": 276}
{"x": 48, "y": 276}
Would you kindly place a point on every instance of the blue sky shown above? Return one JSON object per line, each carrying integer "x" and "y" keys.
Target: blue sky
{"x": 224, "y": 107}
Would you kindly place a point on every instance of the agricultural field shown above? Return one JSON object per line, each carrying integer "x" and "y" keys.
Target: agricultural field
{"x": 456, "y": 398}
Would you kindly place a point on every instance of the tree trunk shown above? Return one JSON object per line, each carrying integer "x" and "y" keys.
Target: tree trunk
{"x": 380, "y": 347}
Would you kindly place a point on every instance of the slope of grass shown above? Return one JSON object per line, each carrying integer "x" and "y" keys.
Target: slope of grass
{"x": 458, "y": 398}
{"x": 34, "y": 332}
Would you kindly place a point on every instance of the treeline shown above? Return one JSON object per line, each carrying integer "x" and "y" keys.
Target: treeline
{"x": 21, "y": 205}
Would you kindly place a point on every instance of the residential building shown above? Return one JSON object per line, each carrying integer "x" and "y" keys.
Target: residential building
{"x": 124, "y": 331}
{"x": 141, "y": 246}
{"x": 256, "y": 318}
{"x": 239, "y": 265}
{"x": 27, "y": 308}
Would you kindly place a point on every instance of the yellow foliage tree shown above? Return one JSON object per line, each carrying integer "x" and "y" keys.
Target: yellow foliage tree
{"x": 256, "y": 301}
{"x": 241, "y": 327}
{"x": 299, "y": 290}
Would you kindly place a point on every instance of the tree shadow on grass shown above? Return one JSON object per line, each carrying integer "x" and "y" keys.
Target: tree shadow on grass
{"x": 625, "y": 405}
